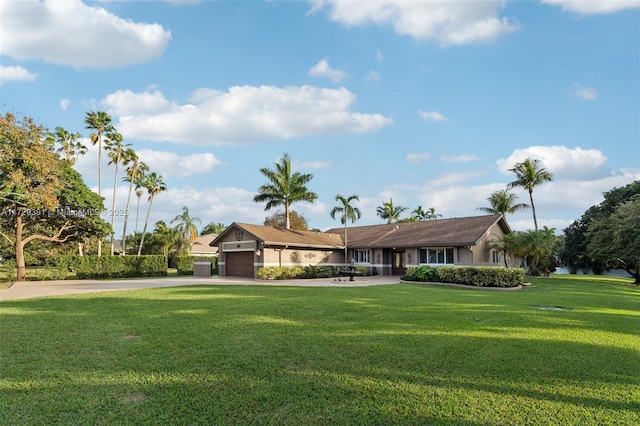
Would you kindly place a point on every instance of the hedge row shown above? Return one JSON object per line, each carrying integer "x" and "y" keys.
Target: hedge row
{"x": 99, "y": 267}
{"x": 310, "y": 271}
{"x": 479, "y": 276}
{"x": 184, "y": 264}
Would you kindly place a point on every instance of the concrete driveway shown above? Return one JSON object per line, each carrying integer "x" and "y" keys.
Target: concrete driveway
{"x": 31, "y": 289}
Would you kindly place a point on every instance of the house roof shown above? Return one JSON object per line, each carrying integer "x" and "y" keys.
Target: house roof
{"x": 285, "y": 237}
{"x": 202, "y": 244}
{"x": 465, "y": 231}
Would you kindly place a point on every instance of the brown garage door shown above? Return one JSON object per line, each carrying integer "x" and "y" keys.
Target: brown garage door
{"x": 239, "y": 264}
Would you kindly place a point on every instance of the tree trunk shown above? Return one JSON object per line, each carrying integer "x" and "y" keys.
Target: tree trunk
{"x": 20, "y": 266}
{"x": 144, "y": 230}
{"x": 533, "y": 209}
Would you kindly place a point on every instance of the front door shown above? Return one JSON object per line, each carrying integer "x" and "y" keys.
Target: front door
{"x": 397, "y": 263}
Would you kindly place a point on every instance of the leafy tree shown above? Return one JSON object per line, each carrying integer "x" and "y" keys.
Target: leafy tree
{"x": 347, "y": 213}
{"x": 115, "y": 147}
{"x": 172, "y": 240}
{"x": 574, "y": 253}
{"x": 503, "y": 202}
{"x": 99, "y": 121}
{"x": 41, "y": 197}
{"x": 135, "y": 173}
{"x": 530, "y": 174}
{"x": 213, "y": 228}
{"x": 279, "y": 220}
{"x": 285, "y": 187}
{"x": 187, "y": 225}
{"x": 616, "y": 238}
{"x": 69, "y": 144}
{"x": 389, "y": 212}
{"x": 154, "y": 185}
{"x": 535, "y": 247}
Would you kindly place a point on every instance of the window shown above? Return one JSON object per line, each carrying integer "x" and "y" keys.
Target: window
{"x": 436, "y": 255}
{"x": 362, "y": 256}
{"x": 495, "y": 256}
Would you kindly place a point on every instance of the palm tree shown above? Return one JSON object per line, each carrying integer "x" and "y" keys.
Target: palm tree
{"x": 170, "y": 238}
{"x": 284, "y": 188}
{"x": 139, "y": 193}
{"x": 530, "y": 174}
{"x": 135, "y": 172}
{"x": 154, "y": 185}
{"x": 503, "y": 202}
{"x": 115, "y": 150}
{"x": 186, "y": 225}
{"x": 99, "y": 121}
{"x": 68, "y": 144}
{"x": 347, "y": 212}
{"x": 389, "y": 212}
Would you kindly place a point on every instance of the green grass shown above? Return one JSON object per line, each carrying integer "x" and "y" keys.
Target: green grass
{"x": 564, "y": 352}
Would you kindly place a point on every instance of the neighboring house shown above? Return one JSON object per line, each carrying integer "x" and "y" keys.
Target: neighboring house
{"x": 386, "y": 249}
{"x": 202, "y": 247}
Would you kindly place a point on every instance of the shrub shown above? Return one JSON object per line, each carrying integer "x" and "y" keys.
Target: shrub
{"x": 483, "y": 276}
{"x": 279, "y": 273}
{"x": 100, "y": 267}
{"x": 423, "y": 273}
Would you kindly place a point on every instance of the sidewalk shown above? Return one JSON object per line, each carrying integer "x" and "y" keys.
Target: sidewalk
{"x": 31, "y": 289}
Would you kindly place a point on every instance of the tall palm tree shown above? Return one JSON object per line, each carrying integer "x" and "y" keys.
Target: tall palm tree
{"x": 115, "y": 147}
{"x": 186, "y": 225}
{"x": 135, "y": 173}
{"x": 530, "y": 174}
{"x": 284, "y": 187}
{"x": 503, "y": 202}
{"x": 154, "y": 185}
{"x": 389, "y": 212}
{"x": 68, "y": 144}
{"x": 99, "y": 121}
{"x": 347, "y": 212}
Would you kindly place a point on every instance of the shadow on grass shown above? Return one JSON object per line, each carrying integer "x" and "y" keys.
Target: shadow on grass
{"x": 394, "y": 355}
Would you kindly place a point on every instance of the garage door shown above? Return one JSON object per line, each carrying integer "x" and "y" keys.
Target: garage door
{"x": 239, "y": 264}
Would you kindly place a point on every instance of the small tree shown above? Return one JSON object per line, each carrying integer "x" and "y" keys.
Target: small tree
{"x": 213, "y": 228}
{"x": 279, "y": 220}
{"x": 530, "y": 174}
{"x": 187, "y": 225}
{"x": 389, "y": 212}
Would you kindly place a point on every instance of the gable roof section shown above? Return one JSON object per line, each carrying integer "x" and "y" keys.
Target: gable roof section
{"x": 285, "y": 237}
{"x": 457, "y": 232}
{"x": 202, "y": 244}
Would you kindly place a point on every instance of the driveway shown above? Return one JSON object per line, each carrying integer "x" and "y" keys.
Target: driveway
{"x": 31, "y": 289}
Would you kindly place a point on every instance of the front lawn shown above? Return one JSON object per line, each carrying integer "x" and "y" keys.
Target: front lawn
{"x": 564, "y": 352}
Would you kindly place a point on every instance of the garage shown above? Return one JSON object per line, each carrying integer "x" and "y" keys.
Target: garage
{"x": 239, "y": 264}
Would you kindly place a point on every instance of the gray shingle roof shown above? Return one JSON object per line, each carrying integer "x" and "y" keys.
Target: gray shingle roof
{"x": 464, "y": 231}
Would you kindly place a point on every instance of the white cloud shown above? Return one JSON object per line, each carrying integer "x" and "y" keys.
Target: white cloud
{"x": 417, "y": 157}
{"x": 68, "y": 33}
{"x": 323, "y": 69}
{"x": 586, "y": 93}
{"x": 449, "y": 23}
{"x": 126, "y": 102}
{"x": 432, "y": 116}
{"x": 243, "y": 114}
{"x": 379, "y": 56}
{"x": 64, "y": 104}
{"x": 170, "y": 164}
{"x": 594, "y": 7}
{"x": 562, "y": 162}
{"x": 459, "y": 158}
{"x": 373, "y": 76}
{"x": 15, "y": 73}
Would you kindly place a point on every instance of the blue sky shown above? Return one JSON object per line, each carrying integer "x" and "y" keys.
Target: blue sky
{"x": 426, "y": 103}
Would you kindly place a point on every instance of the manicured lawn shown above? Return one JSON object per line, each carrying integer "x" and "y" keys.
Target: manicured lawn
{"x": 564, "y": 352}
